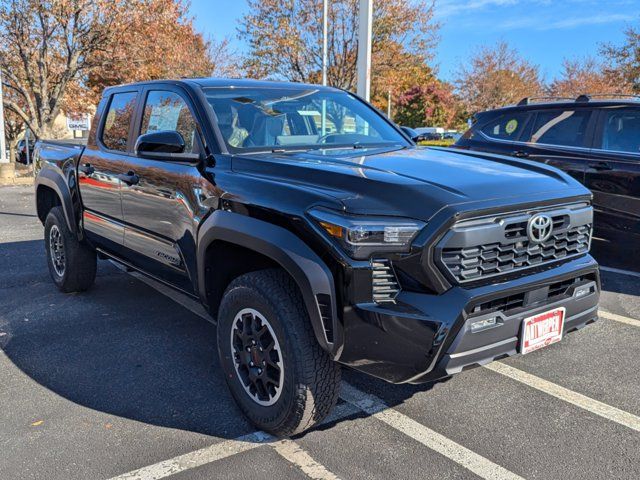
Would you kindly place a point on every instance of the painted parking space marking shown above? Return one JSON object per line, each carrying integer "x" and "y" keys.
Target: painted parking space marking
{"x": 594, "y": 406}
{"x": 295, "y": 454}
{"x": 464, "y": 457}
{"x": 228, "y": 448}
{"x": 619, "y": 318}
{"x": 197, "y": 458}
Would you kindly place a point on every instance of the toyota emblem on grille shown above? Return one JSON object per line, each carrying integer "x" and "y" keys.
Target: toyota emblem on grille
{"x": 540, "y": 228}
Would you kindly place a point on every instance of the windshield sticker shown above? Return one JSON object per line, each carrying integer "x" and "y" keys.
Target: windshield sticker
{"x": 511, "y": 126}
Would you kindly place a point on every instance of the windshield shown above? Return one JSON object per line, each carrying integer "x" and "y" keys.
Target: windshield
{"x": 260, "y": 119}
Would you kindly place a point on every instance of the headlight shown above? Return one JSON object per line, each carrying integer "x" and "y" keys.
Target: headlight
{"x": 360, "y": 236}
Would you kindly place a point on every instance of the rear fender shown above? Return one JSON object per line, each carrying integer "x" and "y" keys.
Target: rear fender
{"x": 54, "y": 181}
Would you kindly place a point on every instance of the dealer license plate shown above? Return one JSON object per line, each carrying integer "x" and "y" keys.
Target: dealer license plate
{"x": 542, "y": 329}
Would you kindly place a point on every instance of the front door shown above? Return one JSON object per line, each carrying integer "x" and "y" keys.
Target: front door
{"x": 162, "y": 210}
{"x": 102, "y": 165}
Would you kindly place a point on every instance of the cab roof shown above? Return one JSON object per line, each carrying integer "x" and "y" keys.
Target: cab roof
{"x": 225, "y": 82}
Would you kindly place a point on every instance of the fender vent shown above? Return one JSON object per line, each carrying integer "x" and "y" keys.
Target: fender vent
{"x": 384, "y": 282}
{"x": 324, "y": 305}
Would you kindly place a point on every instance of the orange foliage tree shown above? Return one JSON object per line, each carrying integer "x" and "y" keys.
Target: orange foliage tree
{"x": 585, "y": 75}
{"x": 57, "y": 54}
{"x": 285, "y": 41}
{"x": 495, "y": 77}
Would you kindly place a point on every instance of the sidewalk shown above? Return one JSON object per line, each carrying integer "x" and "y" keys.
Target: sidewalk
{"x": 15, "y": 174}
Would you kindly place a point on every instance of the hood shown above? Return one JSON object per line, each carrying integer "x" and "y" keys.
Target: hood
{"x": 415, "y": 182}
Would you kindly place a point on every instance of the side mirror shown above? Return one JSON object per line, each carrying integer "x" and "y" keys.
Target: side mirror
{"x": 162, "y": 145}
{"x": 411, "y": 133}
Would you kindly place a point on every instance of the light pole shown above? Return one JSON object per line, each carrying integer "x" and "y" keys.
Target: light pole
{"x": 3, "y": 159}
{"x": 325, "y": 31}
{"x": 364, "y": 48}
{"x": 325, "y": 21}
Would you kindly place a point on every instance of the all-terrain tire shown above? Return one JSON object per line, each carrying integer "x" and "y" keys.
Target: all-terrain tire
{"x": 311, "y": 382}
{"x": 72, "y": 264}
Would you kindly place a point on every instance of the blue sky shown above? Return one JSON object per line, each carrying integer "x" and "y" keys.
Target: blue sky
{"x": 544, "y": 31}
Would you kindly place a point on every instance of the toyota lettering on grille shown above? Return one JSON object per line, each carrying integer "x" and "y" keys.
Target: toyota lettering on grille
{"x": 539, "y": 228}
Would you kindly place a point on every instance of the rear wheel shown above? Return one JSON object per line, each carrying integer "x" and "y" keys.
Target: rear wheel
{"x": 277, "y": 372}
{"x": 72, "y": 265}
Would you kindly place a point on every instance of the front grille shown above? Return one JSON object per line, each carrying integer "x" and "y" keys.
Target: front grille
{"x": 485, "y": 248}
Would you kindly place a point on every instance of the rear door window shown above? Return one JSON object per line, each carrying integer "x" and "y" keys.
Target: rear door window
{"x": 621, "y": 130}
{"x": 561, "y": 127}
{"x": 506, "y": 127}
{"x": 115, "y": 132}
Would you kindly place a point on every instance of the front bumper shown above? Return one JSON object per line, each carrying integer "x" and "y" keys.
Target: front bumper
{"x": 425, "y": 337}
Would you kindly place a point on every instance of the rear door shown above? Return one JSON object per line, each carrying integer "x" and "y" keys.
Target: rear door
{"x": 163, "y": 208}
{"x": 560, "y": 138}
{"x": 101, "y": 166}
{"x": 613, "y": 175}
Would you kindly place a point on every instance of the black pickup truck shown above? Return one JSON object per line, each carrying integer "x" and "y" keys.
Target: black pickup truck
{"x": 316, "y": 233}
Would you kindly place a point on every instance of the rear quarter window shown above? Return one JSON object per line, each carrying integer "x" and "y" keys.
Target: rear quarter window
{"x": 508, "y": 126}
{"x": 561, "y": 127}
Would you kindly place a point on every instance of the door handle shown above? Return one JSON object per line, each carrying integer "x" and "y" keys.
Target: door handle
{"x": 520, "y": 154}
{"x": 130, "y": 178}
{"x": 87, "y": 169}
{"x": 600, "y": 166}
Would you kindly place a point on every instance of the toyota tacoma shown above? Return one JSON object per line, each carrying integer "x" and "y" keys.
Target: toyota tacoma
{"x": 317, "y": 234}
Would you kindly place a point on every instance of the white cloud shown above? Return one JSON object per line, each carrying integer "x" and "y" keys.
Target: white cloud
{"x": 447, "y": 8}
{"x": 543, "y": 22}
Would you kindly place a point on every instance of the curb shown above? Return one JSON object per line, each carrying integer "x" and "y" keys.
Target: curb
{"x": 16, "y": 181}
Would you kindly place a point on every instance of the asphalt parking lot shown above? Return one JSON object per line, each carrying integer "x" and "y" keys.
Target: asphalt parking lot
{"x": 122, "y": 381}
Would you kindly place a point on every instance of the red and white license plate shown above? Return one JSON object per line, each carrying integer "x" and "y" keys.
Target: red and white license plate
{"x": 542, "y": 329}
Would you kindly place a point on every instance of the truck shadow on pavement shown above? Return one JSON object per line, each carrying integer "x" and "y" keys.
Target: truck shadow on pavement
{"x": 124, "y": 349}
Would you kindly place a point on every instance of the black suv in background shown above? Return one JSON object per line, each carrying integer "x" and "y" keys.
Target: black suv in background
{"x": 596, "y": 140}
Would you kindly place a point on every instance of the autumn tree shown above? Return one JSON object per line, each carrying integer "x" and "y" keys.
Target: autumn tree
{"x": 56, "y": 54}
{"x": 285, "y": 41}
{"x": 584, "y": 75}
{"x": 157, "y": 41}
{"x": 496, "y": 76}
{"x": 624, "y": 60}
{"x": 430, "y": 104}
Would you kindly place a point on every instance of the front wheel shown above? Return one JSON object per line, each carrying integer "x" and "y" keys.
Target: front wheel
{"x": 280, "y": 377}
{"x": 72, "y": 265}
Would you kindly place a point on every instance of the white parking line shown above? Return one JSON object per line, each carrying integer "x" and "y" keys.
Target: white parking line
{"x": 287, "y": 449}
{"x": 619, "y": 318}
{"x": 462, "y": 456}
{"x": 620, "y": 271}
{"x": 594, "y": 406}
{"x": 292, "y": 452}
{"x": 197, "y": 458}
